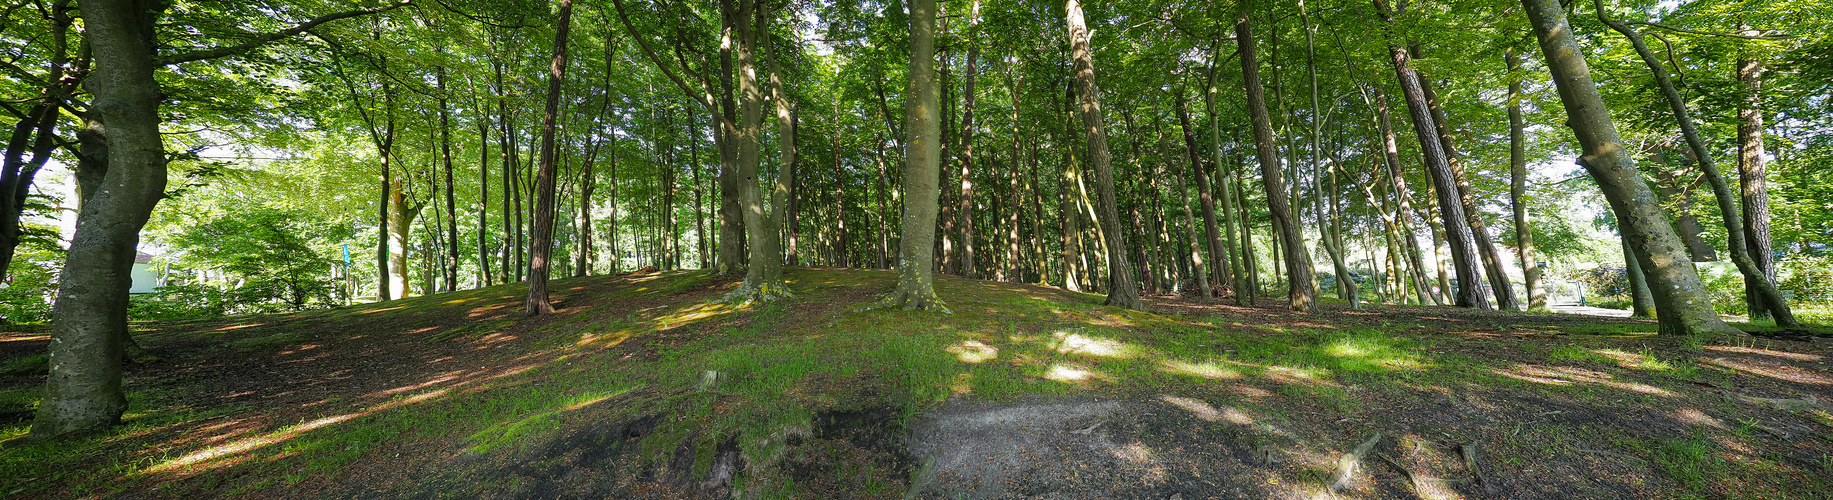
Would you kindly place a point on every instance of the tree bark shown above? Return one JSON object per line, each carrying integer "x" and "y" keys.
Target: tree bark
{"x": 1517, "y": 162}
{"x": 541, "y": 238}
{"x": 1734, "y": 224}
{"x": 922, "y": 169}
{"x": 1302, "y": 292}
{"x": 1640, "y": 300}
{"x": 83, "y": 390}
{"x": 1679, "y": 296}
{"x": 1751, "y": 178}
{"x": 1479, "y": 231}
{"x": 1212, "y": 236}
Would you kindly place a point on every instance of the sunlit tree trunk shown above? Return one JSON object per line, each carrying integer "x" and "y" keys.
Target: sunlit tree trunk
{"x": 1517, "y": 161}
{"x": 1751, "y": 179}
{"x": 922, "y": 167}
{"x": 541, "y": 239}
{"x": 1680, "y": 298}
{"x": 1302, "y": 291}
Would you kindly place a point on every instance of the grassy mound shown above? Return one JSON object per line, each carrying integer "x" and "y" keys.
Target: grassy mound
{"x": 645, "y": 385}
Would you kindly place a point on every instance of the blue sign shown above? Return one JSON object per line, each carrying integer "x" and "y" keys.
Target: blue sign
{"x": 346, "y": 255}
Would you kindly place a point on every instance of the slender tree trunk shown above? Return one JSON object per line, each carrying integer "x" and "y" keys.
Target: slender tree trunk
{"x": 1212, "y": 240}
{"x": 1642, "y": 303}
{"x": 1485, "y": 243}
{"x": 1679, "y": 296}
{"x": 1232, "y": 265}
{"x": 1329, "y": 236}
{"x": 541, "y": 242}
{"x": 1450, "y": 207}
{"x": 484, "y": 276}
{"x": 1755, "y": 188}
{"x": 922, "y": 167}
{"x": 1517, "y": 161}
{"x": 1301, "y": 293}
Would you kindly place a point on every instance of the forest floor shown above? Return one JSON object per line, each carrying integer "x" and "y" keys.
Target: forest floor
{"x": 642, "y": 386}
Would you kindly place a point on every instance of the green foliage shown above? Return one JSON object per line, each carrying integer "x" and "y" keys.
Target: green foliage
{"x": 189, "y": 301}
{"x": 1809, "y": 276}
{"x": 31, "y": 281}
{"x": 270, "y": 254}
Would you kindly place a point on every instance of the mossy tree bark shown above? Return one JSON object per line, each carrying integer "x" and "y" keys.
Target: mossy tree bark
{"x": 922, "y": 170}
{"x": 764, "y": 267}
{"x": 1680, "y": 298}
{"x": 1754, "y": 275}
{"x": 1302, "y": 290}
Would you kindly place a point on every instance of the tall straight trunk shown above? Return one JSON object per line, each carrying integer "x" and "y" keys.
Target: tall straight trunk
{"x": 729, "y": 259}
{"x": 1680, "y": 298}
{"x": 484, "y": 276}
{"x": 700, "y": 236}
{"x": 966, "y": 212}
{"x": 445, "y": 154}
{"x": 1329, "y": 236}
{"x": 1754, "y": 274}
{"x": 1755, "y": 188}
{"x": 386, "y": 285}
{"x": 541, "y": 241}
{"x": 1067, "y": 210}
{"x": 1014, "y": 205}
{"x": 1250, "y": 288}
{"x": 1450, "y": 206}
{"x": 1403, "y": 197}
{"x": 1485, "y": 243}
{"x": 1199, "y": 271}
{"x": 83, "y": 390}
{"x": 1301, "y": 292}
{"x": 1231, "y": 260}
{"x": 922, "y": 169}
{"x": 1212, "y": 235}
{"x": 884, "y": 224}
{"x": 1517, "y": 162}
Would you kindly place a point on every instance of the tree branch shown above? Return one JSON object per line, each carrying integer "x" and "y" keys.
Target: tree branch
{"x": 1708, "y": 33}
{"x": 270, "y": 37}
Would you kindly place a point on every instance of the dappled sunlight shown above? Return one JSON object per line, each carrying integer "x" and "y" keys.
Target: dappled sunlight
{"x": 1204, "y": 411}
{"x": 241, "y": 326}
{"x": 1778, "y": 372}
{"x": 23, "y": 338}
{"x": 1204, "y": 369}
{"x": 1068, "y": 372}
{"x": 972, "y": 351}
{"x": 1699, "y": 418}
{"x": 1567, "y": 375}
{"x": 382, "y": 309}
{"x": 1299, "y": 375}
{"x": 1766, "y": 352}
{"x": 1076, "y": 343}
{"x": 692, "y": 313}
{"x": 226, "y": 454}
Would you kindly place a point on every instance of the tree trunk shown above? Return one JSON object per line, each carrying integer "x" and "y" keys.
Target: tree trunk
{"x": 764, "y": 269}
{"x": 484, "y": 276}
{"x": 541, "y": 240}
{"x": 1479, "y": 231}
{"x": 922, "y": 169}
{"x": 1329, "y": 235}
{"x": 1754, "y": 275}
{"x": 1517, "y": 161}
{"x": 1755, "y": 188}
{"x": 1212, "y": 236}
{"x": 1301, "y": 291}
{"x": 1641, "y": 301}
{"x": 83, "y": 390}
{"x": 1679, "y": 296}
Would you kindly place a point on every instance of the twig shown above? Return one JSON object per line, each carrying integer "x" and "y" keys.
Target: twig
{"x": 1346, "y": 466}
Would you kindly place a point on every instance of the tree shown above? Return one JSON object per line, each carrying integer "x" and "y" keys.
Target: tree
{"x": 83, "y": 391}
{"x": 1121, "y": 290}
{"x": 915, "y": 288}
{"x": 1680, "y": 298}
{"x": 541, "y": 241}
{"x": 1302, "y": 291}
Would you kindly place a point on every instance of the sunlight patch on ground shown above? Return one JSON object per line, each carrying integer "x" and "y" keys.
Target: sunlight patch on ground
{"x": 1067, "y": 373}
{"x": 239, "y": 327}
{"x": 1076, "y": 343}
{"x": 972, "y": 351}
{"x": 692, "y": 313}
{"x": 1299, "y": 375}
{"x": 1205, "y": 369}
{"x": 1208, "y": 413}
{"x": 382, "y": 309}
{"x": 244, "y": 445}
{"x": 1786, "y": 373}
{"x": 1699, "y": 418}
{"x": 1567, "y": 375}
{"x": 1766, "y": 352}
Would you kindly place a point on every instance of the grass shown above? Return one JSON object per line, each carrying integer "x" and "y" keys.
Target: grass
{"x": 643, "y": 348}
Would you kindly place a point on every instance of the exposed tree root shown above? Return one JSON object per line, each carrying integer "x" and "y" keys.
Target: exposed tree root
{"x": 754, "y": 292}
{"x": 911, "y": 301}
